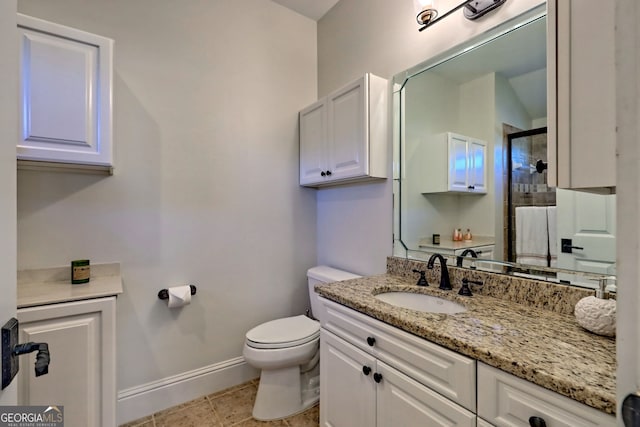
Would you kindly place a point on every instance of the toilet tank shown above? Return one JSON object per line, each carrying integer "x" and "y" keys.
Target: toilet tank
{"x": 323, "y": 274}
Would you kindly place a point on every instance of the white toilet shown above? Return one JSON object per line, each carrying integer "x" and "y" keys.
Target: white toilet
{"x": 287, "y": 351}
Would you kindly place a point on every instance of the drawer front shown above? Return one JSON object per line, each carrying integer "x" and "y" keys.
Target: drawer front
{"x": 505, "y": 400}
{"x": 440, "y": 369}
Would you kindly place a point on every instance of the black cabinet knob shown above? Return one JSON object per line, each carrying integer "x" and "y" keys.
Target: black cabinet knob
{"x": 371, "y": 341}
{"x": 322, "y": 173}
{"x": 328, "y": 173}
{"x": 537, "y": 422}
{"x": 366, "y": 370}
{"x": 377, "y": 377}
{"x": 471, "y": 187}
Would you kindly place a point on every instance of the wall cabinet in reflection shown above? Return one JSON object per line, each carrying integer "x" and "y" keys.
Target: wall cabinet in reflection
{"x": 455, "y": 163}
{"x": 343, "y": 136}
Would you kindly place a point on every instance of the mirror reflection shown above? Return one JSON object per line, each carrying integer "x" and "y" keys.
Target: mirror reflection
{"x": 472, "y": 166}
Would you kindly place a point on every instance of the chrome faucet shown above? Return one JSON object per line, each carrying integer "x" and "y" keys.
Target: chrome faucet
{"x": 466, "y": 252}
{"x": 445, "y": 284}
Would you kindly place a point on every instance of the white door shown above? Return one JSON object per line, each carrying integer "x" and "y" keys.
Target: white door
{"x": 477, "y": 174}
{"x": 8, "y": 133}
{"x": 347, "y": 388}
{"x": 589, "y": 221}
{"x": 628, "y": 192}
{"x": 401, "y": 401}
{"x": 348, "y": 130}
{"x": 313, "y": 148}
{"x": 458, "y": 165}
{"x": 81, "y": 338}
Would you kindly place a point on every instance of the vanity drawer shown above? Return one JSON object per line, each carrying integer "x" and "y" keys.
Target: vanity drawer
{"x": 440, "y": 369}
{"x": 506, "y": 400}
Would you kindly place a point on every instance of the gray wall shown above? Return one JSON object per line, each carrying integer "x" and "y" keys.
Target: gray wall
{"x": 205, "y": 189}
{"x": 378, "y": 36}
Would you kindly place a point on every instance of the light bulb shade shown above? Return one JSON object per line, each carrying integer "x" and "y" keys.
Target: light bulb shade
{"x": 425, "y": 11}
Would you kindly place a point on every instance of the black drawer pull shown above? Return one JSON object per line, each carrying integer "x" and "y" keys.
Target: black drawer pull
{"x": 366, "y": 370}
{"x": 378, "y": 377}
{"x": 537, "y": 422}
{"x": 371, "y": 341}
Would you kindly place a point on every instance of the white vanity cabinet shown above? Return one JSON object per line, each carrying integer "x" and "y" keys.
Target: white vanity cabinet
{"x": 509, "y": 401}
{"x": 373, "y": 374}
{"x": 581, "y": 94}
{"x": 456, "y": 163}
{"x": 65, "y": 94}
{"x": 343, "y": 136}
{"x": 81, "y": 377}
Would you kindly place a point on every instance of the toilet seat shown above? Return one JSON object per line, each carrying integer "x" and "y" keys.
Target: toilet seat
{"x": 283, "y": 333}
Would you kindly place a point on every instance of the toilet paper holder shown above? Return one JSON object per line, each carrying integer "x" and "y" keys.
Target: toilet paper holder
{"x": 164, "y": 293}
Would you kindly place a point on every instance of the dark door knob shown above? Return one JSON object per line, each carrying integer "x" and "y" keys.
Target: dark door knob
{"x": 631, "y": 410}
{"x": 322, "y": 173}
{"x": 366, "y": 370}
{"x": 537, "y": 422}
{"x": 377, "y": 377}
{"x": 328, "y": 173}
{"x": 567, "y": 246}
{"x": 471, "y": 187}
{"x": 371, "y": 341}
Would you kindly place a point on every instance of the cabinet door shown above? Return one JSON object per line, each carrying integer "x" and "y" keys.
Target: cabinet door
{"x": 348, "y": 395}
{"x": 582, "y": 123}
{"x": 313, "y": 135}
{"x": 458, "y": 163}
{"x": 477, "y": 172}
{"x": 508, "y": 401}
{"x": 81, "y": 339}
{"x": 348, "y": 131}
{"x": 65, "y": 94}
{"x": 483, "y": 423}
{"x": 402, "y": 401}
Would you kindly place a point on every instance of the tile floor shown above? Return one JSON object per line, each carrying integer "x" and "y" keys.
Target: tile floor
{"x": 226, "y": 408}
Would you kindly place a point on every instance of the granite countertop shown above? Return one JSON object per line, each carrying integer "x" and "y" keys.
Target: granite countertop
{"x": 544, "y": 347}
{"x": 53, "y": 285}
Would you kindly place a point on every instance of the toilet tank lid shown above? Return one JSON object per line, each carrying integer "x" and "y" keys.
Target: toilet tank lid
{"x": 327, "y": 274}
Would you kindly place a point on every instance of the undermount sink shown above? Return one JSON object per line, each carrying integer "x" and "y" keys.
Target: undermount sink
{"x": 421, "y": 302}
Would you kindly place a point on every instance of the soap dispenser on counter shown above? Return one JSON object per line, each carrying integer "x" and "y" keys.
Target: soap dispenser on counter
{"x": 598, "y": 313}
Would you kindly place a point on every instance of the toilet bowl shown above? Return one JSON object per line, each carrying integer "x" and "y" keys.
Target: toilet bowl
{"x": 287, "y": 351}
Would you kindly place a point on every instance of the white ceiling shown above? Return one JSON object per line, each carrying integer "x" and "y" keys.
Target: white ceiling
{"x": 520, "y": 56}
{"x": 314, "y": 9}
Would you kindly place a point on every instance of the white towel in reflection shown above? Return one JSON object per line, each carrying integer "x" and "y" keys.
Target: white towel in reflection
{"x": 552, "y": 223}
{"x": 532, "y": 237}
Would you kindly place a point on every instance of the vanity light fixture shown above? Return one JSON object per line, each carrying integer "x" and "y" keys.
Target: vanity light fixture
{"x": 427, "y": 14}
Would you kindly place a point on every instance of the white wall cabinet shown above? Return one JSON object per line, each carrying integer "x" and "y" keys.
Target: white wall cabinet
{"x": 455, "y": 163}
{"x": 81, "y": 338}
{"x": 343, "y": 135}
{"x": 581, "y": 130}
{"x": 508, "y": 401}
{"x": 65, "y": 94}
{"x": 373, "y": 374}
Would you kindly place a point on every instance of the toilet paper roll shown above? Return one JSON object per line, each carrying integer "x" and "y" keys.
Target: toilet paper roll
{"x": 179, "y": 296}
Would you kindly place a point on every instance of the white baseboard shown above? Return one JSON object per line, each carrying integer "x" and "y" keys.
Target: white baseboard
{"x": 146, "y": 399}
